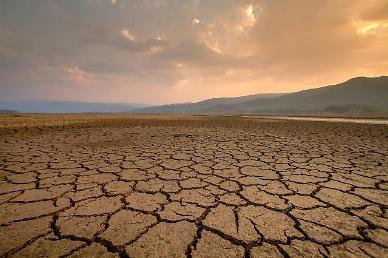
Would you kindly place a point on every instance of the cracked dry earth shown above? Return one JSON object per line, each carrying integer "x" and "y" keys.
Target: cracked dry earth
{"x": 193, "y": 187}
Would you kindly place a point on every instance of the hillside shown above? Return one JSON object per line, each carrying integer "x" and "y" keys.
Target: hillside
{"x": 44, "y": 106}
{"x": 359, "y": 95}
{"x": 201, "y": 106}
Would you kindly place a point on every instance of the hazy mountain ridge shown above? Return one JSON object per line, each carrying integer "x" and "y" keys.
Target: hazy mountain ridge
{"x": 371, "y": 92}
{"x": 44, "y": 106}
{"x": 358, "y": 95}
{"x": 202, "y": 106}
{"x": 7, "y": 111}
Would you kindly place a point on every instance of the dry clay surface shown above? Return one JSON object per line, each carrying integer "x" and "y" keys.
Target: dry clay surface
{"x": 122, "y": 186}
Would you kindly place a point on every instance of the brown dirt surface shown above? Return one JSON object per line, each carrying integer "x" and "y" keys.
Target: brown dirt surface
{"x": 122, "y": 185}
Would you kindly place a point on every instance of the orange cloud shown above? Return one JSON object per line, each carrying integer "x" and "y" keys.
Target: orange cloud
{"x": 208, "y": 49}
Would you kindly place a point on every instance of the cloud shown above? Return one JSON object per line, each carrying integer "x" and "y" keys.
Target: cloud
{"x": 186, "y": 50}
{"x": 250, "y": 18}
{"x": 126, "y": 34}
{"x": 146, "y": 45}
{"x": 379, "y": 11}
{"x": 196, "y": 21}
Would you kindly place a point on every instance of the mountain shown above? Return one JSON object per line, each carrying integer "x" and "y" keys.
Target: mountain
{"x": 44, "y": 106}
{"x": 357, "y": 93}
{"x": 7, "y": 111}
{"x": 204, "y": 105}
{"x": 360, "y": 95}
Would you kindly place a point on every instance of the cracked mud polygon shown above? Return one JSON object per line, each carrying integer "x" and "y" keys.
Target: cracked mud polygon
{"x": 191, "y": 186}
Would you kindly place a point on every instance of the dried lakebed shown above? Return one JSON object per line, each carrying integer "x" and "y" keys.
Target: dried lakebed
{"x": 181, "y": 186}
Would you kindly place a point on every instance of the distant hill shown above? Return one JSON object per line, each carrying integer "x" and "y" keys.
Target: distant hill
{"x": 359, "y": 95}
{"x": 204, "y": 105}
{"x": 7, "y": 111}
{"x": 44, "y": 106}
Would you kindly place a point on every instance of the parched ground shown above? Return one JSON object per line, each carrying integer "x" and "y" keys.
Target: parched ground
{"x": 180, "y": 186}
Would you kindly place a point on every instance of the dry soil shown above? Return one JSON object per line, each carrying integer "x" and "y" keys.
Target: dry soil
{"x": 191, "y": 186}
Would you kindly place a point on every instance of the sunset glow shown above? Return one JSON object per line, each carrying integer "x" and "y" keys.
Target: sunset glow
{"x": 163, "y": 51}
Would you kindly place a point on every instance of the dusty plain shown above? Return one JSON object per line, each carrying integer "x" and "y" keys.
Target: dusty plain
{"x": 191, "y": 186}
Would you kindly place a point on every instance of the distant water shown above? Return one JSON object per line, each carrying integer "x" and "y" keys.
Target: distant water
{"x": 327, "y": 119}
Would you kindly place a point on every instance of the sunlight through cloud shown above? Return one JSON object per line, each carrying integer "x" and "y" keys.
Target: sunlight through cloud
{"x": 126, "y": 34}
{"x": 195, "y": 21}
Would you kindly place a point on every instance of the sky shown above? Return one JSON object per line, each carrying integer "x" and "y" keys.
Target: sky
{"x": 169, "y": 51}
